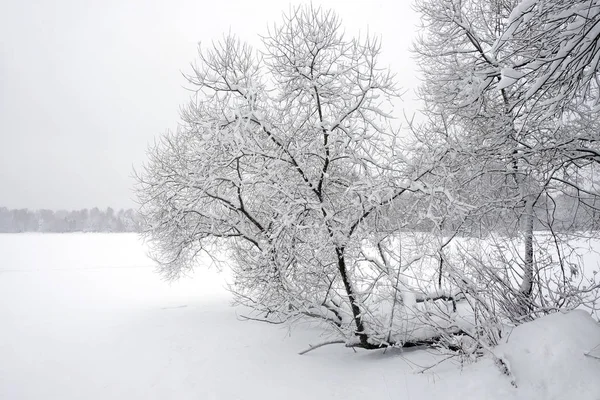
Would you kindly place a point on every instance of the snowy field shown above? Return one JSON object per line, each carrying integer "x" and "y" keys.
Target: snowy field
{"x": 84, "y": 316}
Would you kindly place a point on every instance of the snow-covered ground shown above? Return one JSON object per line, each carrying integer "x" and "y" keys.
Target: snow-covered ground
{"x": 84, "y": 316}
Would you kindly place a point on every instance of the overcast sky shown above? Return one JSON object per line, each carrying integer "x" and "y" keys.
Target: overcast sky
{"x": 86, "y": 85}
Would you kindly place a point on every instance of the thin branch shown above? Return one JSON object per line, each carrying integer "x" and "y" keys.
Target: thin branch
{"x": 316, "y": 346}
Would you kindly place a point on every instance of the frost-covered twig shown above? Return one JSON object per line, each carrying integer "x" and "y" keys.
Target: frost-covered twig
{"x": 589, "y": 353}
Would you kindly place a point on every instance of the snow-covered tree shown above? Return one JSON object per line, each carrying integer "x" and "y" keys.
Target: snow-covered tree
{"x": 286, "y": 160}
{"x": 510, "y": 88}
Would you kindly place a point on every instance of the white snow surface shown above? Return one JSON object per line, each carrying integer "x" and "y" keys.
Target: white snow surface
{"x": 84, "y": 316}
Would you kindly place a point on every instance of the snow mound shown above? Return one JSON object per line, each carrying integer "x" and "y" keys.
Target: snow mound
{"x": 553, "y": 357}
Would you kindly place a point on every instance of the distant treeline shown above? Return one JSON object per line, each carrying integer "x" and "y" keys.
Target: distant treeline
{"x": 93, "y": 220}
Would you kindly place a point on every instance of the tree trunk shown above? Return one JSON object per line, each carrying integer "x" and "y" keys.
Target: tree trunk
{"x": 356, "y": 312}
{"x": 527, "y": 283}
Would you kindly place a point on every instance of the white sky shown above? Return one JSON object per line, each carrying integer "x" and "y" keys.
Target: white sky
{"x": 86, "y": 85}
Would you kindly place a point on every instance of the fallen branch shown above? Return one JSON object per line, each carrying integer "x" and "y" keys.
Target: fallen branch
{"x": 429, "y": 342}
{"x": 423, "y": 297}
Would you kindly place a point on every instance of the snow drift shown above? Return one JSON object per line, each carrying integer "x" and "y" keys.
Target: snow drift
{"x": 553, "y": 357}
